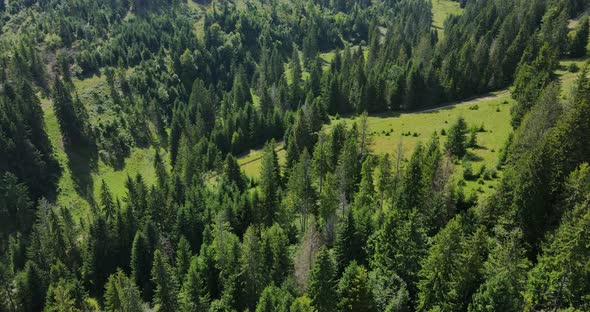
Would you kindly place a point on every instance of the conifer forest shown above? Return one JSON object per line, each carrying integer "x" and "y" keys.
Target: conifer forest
{"x": 294, "y": 155}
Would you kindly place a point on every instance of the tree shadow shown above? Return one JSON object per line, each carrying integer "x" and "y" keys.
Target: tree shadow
{"x": 473, "y": 157}
{"x": 82, "y": 161}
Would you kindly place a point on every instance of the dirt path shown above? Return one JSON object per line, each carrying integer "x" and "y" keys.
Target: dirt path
{"x": 278, "y": 149}
{"x": 468, "y": 102}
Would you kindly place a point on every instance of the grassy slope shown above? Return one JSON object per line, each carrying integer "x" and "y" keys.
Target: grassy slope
{"x": 493, "y": 113}
{"x": 496, "y": 124}
{"x": 441, "y": 9}
{"x": 252, "y": 161}
{"x": 139, "y": 161}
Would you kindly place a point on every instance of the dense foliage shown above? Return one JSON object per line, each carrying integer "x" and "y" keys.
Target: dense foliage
{"x": 337, "y": 228}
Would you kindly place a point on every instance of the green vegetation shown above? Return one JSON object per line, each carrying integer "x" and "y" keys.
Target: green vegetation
{"x": 441, "y": 9}
{"x": 402, "y": 179}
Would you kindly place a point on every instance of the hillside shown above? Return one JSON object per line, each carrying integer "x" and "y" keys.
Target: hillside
{"x": 294, "y": 156}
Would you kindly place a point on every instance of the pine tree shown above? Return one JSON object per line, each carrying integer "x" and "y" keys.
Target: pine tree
{"x": 302, "y": 304}
{"x": 274, "y": 299}
{"x": 322, "y": 282}
{"x": 121, "y": 294}
{"x": 141, "y": 264}
{"x": 275, "y": 246}
{"x": 505, "y": 276}
{"x": 97, "y": 264}
{"x": 193, "y": 295}
{"x": 456, "y": 143}
{"x": 579, "y": 42}
{"x": 347, "y": 246}
{"x": 321, "y": 160}
{"x": 251, "y": 268}
{"x": 561, "y": 277}
{"x": 399, "y": 246}
{"x": 296, "y": 74}
{"x": 166, "y": 290}
{"x": 233, "y": 172}
{"x": 302, "y": 196}
{"x": 71, "y": 120}
{"x": 384, "y": 179}
{"x": 183, "y": 257}
{"x": 269, "y": 184}
{"x": 439, "y": 269}
{"x": 354, "y": 290}
{"x": 31, "y": 288}
{"x": 106, "y": 200}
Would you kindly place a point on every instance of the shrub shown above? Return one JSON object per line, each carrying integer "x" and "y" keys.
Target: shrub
{"x": 573, "y": 68}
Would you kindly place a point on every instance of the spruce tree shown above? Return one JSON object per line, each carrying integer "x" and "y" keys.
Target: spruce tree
{"x": 354, "y": 290}
{"x": 269, "y": 184}
{"x": 183, "y": 258}
{"x": 121, "y": 294}
{"x": 322, "y": 282}
{"x": 141, "y": 264}
{"x": 456, "y": 144}
{"x": 166, "y": 285}
{"x": 347, "y": 246}
{"x": 193, "y": 295}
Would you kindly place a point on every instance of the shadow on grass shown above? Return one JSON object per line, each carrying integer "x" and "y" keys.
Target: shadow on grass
{"x": 473, "y": 157}
{"x": 82, "y": 161}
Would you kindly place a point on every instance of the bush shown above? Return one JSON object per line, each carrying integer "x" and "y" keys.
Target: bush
{"x": 481, "y": 171}
{"x": 490, "y": 173}
{"x": 467, "y": 170}
{"x": 573, "y": 68}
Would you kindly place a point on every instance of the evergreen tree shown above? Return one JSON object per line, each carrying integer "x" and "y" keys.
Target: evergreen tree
{"x": 302, "y": 196}
{"x": 456, "y": 143}
{"x": 72, "y": 119}
{"x": 275, "y": 248}
{"x": 450, "y": 271}
{"x": 193, "y": 295}
{"x": 354, "y": 290}
{"x": 121, "y": 294}
{"x": 560, "y": 278}
{"x": 106, "y": 200}
{"x": 274, "y": 299}
{"x": 141, "y": 264}
{"x": 31, "y": 288}
{"x": 269, "y": 184}
{"x": 579, "y": 42}
{"x": 347, "y": 246}
{"x": 183, "y": 257}
{"x": 321, "y": 160}
{"x": 399, "y": 246}
{"x": 98, "y": 264}
{"x": 251, "y": 268}
{"x": 322, "y": 282}
{"x": 505, "y": 276}
{"x": 166, "y": 285}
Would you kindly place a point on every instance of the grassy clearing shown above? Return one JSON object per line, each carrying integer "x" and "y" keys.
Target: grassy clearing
{"x": 421, "y": 125}
{"x": 567, "y": 77}
{"x": 441, "y": 9}
{"x": 140, "y": 161}
{"x": 252, "y": 162}
{"x": 67, "y": 194}
{"x": 408, "y": 129}
{"x": 76, "y": 167}
{"x": 492, "y": 111}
